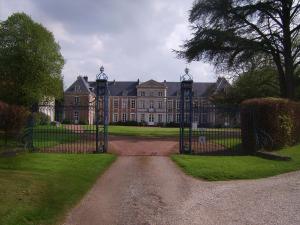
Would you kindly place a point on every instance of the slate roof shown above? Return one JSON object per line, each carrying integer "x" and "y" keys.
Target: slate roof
{"x": 119, "y": 88}
{"x": 200, "y": 89}
{"x": 128, "y": 88}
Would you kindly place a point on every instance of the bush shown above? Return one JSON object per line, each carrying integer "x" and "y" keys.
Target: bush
{"x": 127, "y": 123}
{"x": 276, "y": 117}
{"x": 41, "y": 118}
{"x": 12, "y": 119}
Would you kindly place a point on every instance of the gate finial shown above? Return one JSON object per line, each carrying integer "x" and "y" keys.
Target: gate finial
{"x": 101, "y": 75}
{"x": 186, "y": 76}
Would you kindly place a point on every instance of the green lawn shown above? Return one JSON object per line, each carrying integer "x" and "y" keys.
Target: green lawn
{"x": 143, "y": 131}
{"x": 49, "y": 136}
{"x": 215, "y": 168}
{"x": 40, "y": 188}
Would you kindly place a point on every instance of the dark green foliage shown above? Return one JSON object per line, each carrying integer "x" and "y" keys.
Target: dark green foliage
{"x": 30, "y": 62}
{"x": 233, "y": 33}
{"x": 41, "y": 118}
{"x": 279, "y": 118}
{"x": 12, "y": 120}
{"x": 259, "y": 83}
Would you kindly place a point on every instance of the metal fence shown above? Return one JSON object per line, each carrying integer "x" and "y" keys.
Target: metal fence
{"x": 208, "y": 128}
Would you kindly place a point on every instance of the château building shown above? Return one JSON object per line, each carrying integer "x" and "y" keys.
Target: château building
{"x": 149, "y": 102}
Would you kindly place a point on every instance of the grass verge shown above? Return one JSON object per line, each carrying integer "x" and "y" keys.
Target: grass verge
{"x": 215, "y": 168}
{"x": 40, "y": 188}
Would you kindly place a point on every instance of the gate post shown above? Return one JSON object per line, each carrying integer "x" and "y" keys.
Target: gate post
{"x": 102, "y": 90}
{"x": 186, "y": 111}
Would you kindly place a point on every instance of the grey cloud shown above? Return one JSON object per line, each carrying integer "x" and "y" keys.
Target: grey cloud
{"x": 132, "y": 38}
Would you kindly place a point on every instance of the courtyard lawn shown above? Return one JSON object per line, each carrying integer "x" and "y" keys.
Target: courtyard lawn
{"x": 49, "y": 136}
{"x": 40, "y": 188}
{"x": 214, "y": 168}
{"x": 143, "y": 131}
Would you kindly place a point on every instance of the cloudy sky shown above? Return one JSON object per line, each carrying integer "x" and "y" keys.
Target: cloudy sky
{"x": 131, "y": 38}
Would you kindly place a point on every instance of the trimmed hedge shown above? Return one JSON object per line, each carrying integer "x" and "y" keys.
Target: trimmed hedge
{"x": 277, "y": 117}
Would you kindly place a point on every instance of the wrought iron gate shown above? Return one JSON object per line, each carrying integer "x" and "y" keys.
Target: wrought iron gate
{"x": 75, "y": 127}
{"x": 206, "y": 128}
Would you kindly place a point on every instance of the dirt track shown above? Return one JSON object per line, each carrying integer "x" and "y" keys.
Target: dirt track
{"x": 151, "y": 190}
{"x": 133, "y": 146}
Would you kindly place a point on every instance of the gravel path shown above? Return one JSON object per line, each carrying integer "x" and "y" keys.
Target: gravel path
{"x": 151, "y": 190}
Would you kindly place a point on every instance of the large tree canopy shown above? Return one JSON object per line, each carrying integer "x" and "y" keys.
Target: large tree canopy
{"x": 229, "y": 33}
{"x": 30, "y": 62}
{"x": 258, "y": 83}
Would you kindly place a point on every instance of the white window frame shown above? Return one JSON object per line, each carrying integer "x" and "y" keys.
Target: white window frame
{"x": 124, "y": 117}
{"x": 124, "y": 103}
{"x": 76, "y": 116}
{"x": 151, "y": 118}
{"x": 77, "y": 88}
{"x": 132, "y": 103}
{"x": 151, "y": 105}
{"x": 116, "y": 103}
{"x": 160, "y": 104}
{"x": 116, "y": 117}
{"x": 77, "y": 100}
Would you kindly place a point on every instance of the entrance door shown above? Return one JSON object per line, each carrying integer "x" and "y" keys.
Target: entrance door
{"x": 151, "y": 120}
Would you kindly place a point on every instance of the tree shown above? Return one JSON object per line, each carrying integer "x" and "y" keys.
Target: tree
{"x": 229, "y": 33}
{"x": 253, "y": 84}
{"x": 30, "y": 62}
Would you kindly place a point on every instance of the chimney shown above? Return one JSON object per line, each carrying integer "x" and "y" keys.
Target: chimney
{"x": 86, "y": 78}
{"x": 114, "y": 82}
{"x": 165, "y": 81}
{"x": 138, "y": 81}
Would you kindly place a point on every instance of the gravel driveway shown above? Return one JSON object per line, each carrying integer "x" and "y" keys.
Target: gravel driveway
{"x": 150, "y": 190}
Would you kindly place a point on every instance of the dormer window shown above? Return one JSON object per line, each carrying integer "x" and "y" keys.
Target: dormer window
{"x": 77, "y": 88}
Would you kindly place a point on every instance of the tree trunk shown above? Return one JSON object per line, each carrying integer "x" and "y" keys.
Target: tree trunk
{"x": 287, "y": 51}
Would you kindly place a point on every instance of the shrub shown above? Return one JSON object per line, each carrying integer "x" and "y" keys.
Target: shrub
{"x": 127, "y": 123}
{"x": 41, "y": 118}
{"x": 276, "y": 117}
{"x": 12, "y": 119}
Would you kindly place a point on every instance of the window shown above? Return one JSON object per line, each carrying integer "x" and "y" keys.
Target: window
{"x": 116, "y": 103}
{"x": 151, "y": 93}
{"x": 177, "y": 104}
{"x": 169, "y": 106}
{"x": 124, "y": 117}
{"x": 124, "y": 103}
{"x": 76, "y": 100}
{"x": 77, "y": 88}
{"x": 142, "y": 104}
{"x": 76, "y": 116}
{"x": 160, "y": 120}
{"x": 142, "y": 93}
{"x": 116, "y": 117}
{"x": 151, "y": 118}
{"x": 133, "y": 104}
{"x": 177, "y": 118}
{"x": 151, "y": 104}
{"x": 160, "y": 104}
{"x": 142, "y": 117}
{"x": 160, "y": 93}
{"x": 132, "y": 116}
{"x": 169, "y": 118}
